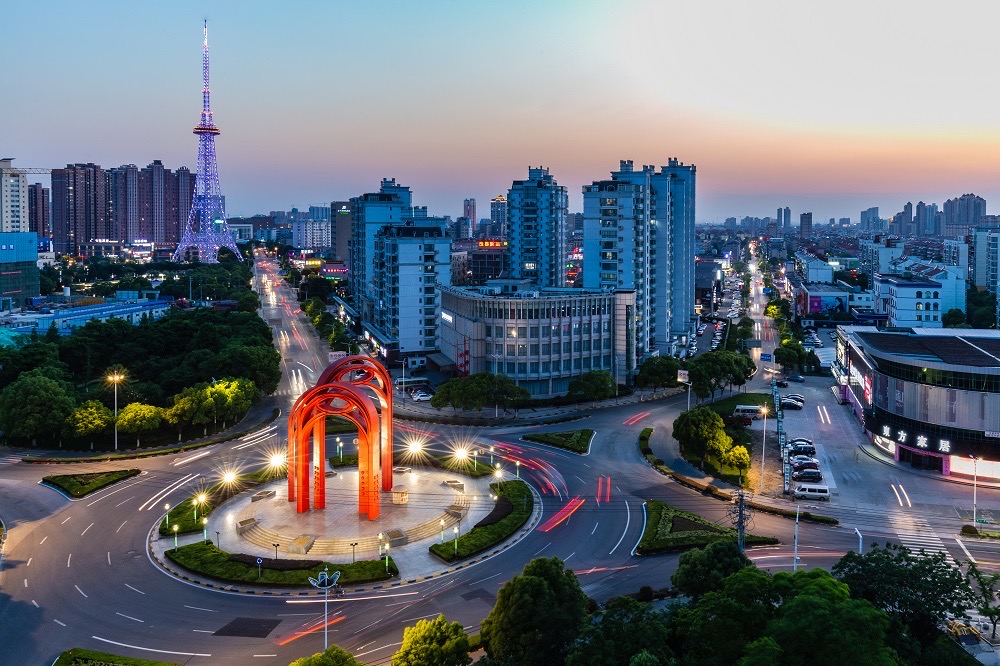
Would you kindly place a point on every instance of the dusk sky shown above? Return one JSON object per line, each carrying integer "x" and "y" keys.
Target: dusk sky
{"x": 828, "y": 107}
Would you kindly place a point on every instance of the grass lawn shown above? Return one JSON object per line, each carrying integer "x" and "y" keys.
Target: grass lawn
{"x": 726, "y": 406}
{"x": 571, "y": 440}
{"x": 723, "y": 472}
{"x": 205, "y": 559}
{"x": 183, "y": 513}
{"x": 81, "y": 485}
{"x": 669, "y": 528}
{"x": 81, "y": 657}
{"x": 336, "y": 425}
{"x": 479, "y": 539}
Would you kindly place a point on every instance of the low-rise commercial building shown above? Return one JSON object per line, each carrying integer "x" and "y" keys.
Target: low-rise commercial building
{"x": 542, "y": 338}
{"x": 917, "y": 294}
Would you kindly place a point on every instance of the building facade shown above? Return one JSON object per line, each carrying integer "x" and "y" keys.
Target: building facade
{"x": 918, "y": 294}
{"x": 18, "y": 268}
{"x": 392, "y": 204}
{"x": 498, "y": 216}
{"x": 39, "y": 211}
{"x": 536, "y": 228}
{"x": 805, "y": 225}
{"x": 962, "y": 213}
{"x": 541, "y": 338}
{"x": 13, "y": 199}
{"x": 927, "y": 397}
{"x": 312, "y": 234}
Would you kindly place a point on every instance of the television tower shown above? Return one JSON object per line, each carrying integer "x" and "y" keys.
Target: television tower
{"x": 206, "y": 230}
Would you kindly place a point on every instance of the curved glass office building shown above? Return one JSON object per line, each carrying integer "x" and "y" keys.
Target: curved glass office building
{"x": 929, "y": 397}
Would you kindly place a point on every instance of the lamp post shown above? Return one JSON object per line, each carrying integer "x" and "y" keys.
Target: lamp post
{"x": 975, "y": 483}
{"x": 860, "y": 543}
{"x": 218, "y": 540}
{"x": 455, "y": 530}
{"x": 166, "y": 516}
{"x": 275, "y": 551}
{"x": 475, "y": 458}
{"x": 491, "y": 456}
{"x": 387, "y": 558}
{"x": 442, "y": 529}
{"x": 115, "y": 378}
{"x": 340, "y": 447}
{"x": 517, "y": 468}
{"x": 175, "y": 535}
{"x": 325, "y": 582}
{"x": 763, "y": 450}
{"x": 204, "y": 529}
{"x": 353, "y": 551}
{"x": 380, "y": 544}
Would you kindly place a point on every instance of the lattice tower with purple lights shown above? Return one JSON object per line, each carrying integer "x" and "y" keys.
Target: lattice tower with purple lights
{"x": 206, "y": 230}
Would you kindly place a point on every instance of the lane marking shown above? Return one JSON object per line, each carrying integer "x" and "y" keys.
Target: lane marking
{"x": 61, "y": 624}
{"x": 137, "y": 647}
{"x": 134, "y": 589}
{"x": 192, "y": 458}
{"x": 68, "y": 558}
{"x": 42, "y": 541}
{"x": 898, "y": 498}
{"x": 123, "y": 501}
{"x": 566, "y": 559}
{"x": 377, "y": 649}
{"x": 26, "y": 582}
{"x": 34, "y": 603}
{"x": 29, "y": 562}
{"x": 543, "y": 548}
{"x": 903, "y": 490}
{"x": 595, "y": 529}
{"x": 965, "y": 550}
{"x": 81, "y": 591}
{"x": 118, "y": 490}
{"x": 203, "y": 631}
{"x": 87, "y": 528}
{"x": 148, "y": 504}
{"x": 482, "y": 580}
{"x": 109, "y": 558}
{"x": 121, "y": 526}
{"x": 265, "y": 655}
{"x": 129, "y": 617}
{"x": 345, "y": 599}
{"x": 414, "y": 619}
{"x": 628, "y": 519}
{"x": 65, "y": 521}
{"x": 207, "y": 610}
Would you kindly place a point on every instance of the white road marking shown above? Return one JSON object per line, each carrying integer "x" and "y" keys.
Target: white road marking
{"x": 907, "y": 497}
{"x": 61, "y": 624}
{"x": 151, "y": 502}
{"x": 129, "y": 617}
{"x": 319, "y": 601}
{"x": 203, "y": 631}
{"x": 109, "y": 558}
{"x": 137, "y": 647}
{"x": 636, "y": 546}
{"x": 265, "y": 655}
{"x": 34, "y": 603}
{"x": 543, "y": 548}
{"x": 26, "y": 582}
{"x": 68, "y": 558}
{"x": 134, "y": 589}
{"x": 42, "y": 541}
{"x": 121, "y": 526}
{"x": 123, "y": 501}
{"x": 87, "y": 528}
{"x": 566, "y": 559}
{"x": 595, "y": 529}
{"x": 628, "y": 519}
{"x": 207, "y": 610}
{"x": 965, "y": 550}
{"x": 481, "y": 580}
{"x": 422, "y": 617}
{"x": 118, "y": 490}
{"x": 81, "y": 591}
{"x": 192, "y": 458}
{"x": 65, "y": 521}
{"x": 357, "y": 656}
{"x": 898, "y": 498}
{"x": 29, "y": 562}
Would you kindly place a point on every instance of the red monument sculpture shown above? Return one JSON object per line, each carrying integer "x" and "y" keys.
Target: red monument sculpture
{"x": 346, "y": 388}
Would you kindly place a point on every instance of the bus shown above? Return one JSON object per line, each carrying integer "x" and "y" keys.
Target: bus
{"x": 753, "y": 411}
{"x": 403, "y": 383}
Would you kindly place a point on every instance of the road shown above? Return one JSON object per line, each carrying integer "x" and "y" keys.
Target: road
{"x": 77, "y": 573}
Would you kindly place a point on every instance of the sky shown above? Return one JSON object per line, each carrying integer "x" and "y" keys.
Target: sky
{"x": 823, "y": 107}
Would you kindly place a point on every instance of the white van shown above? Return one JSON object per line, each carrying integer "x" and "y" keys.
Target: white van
{"x": 753, "y": 411}
{"x": 811, "y": 491}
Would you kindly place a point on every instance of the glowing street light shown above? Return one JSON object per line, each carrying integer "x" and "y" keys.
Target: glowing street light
{"x": 204, "y": 528}
{"x": 455, "y": 530}
{"x": 176, "y": 527}
{"x": 442, "y": 530}
{"x": 491, "y": 456}
{"x": 763, "y": 450}
{"x": 229, "y": 478}
{"x": 166, "y": 516}
{"x": 198, "y": 499}
{"x": 415, "y": 447}
{"x": 517, "y": 468}
{"x": 387, "y": 558}
{"x": 380, "y": 535}
{"x": 277, "y": 460}
{"x": 462, "y": 454}
{"x": 340, "y": 447}
{"x": 498, "y": 473}
{"x": 116, "y": 378}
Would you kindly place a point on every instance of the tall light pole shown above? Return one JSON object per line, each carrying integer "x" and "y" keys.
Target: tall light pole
{"x": 860, "y": 541}
{"x": 763, "y": 450}
{"x": 795, "y": 553}
{"x": 325, "y": 582}
{"x": 975, "y": 483}
{"x": 116, "y": 378}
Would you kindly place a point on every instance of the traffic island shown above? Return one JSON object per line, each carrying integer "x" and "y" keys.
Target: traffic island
{"x": 81, "y": 657}
{"x": 669, "y": 529}
{"x": 81, "y": 485}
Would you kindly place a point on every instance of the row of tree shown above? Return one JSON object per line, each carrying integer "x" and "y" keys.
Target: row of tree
{"x": 329, "y": 327}
{"x": 40, "y": 406}
{"x": 474, "y": 392}
{"x": 880, "y": 608}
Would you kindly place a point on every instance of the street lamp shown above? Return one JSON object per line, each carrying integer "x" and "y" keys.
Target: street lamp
{"x": 116, "y": 378}
{"x": 442, "y": 529}
{"x": 196, "y": 500}
{"x": 975, "y": 483}
{"x": 763, "y": 450}
{"x": 491, "y": 456}
{"x": 325, "y": 582}
{"x": 380, "y": 544}
{"x": 387, "y": 558}
{"x": 166, "y": 516}
{"x": 275, "y": 551}
{"x": 204, "y": 529}
{"x": 455, "y": 530}
{"x": 517, "y": 468}
{"x": 218, "y": 540}
{"x": 340, "y": 447}
{"x": 353, "y": 551}
{"x": 176, "y": 526}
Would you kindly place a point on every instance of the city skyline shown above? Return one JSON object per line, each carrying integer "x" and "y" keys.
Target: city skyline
{"x": 770, "y": 102}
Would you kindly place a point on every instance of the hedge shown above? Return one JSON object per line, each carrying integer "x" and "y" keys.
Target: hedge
{"x": 204, "y": 559}
{"x": 727, "y": 496}
{"x": 479, "y": 539}
{"x": 501, "y": 510}
{"x": 214, "y": 439}
{"x": 659, "y": 535}
{"x": 572, "y": 440}
{"x": 81, "y": 485}
{"x": 469, "y": 467}
{"x": 81, "y": 657}
{"x": 182, "y": 514}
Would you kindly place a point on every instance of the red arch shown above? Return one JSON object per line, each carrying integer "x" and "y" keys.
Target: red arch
{"x": 338, "y": 393}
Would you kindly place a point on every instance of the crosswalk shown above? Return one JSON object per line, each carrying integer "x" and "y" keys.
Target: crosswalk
{"x": 9, "y": 460}
{"x": 916, "y": 533}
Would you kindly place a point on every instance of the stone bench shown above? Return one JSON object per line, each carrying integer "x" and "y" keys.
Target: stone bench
{"x": 300, "y": 545}
{"x": 400, "y": 495}
{"x": 396, "y": 538}
{"x": 401, "y": 470}
{"x": 457, "y": 510}
{"x": 457, "y": 486}
{"x": 245, "y": 525}
{"x": 263, "y": 494}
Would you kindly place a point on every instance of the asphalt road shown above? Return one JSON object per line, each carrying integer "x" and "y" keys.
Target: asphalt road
{"x": 77, "y": 573}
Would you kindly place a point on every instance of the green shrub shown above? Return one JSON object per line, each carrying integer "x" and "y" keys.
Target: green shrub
{"x": 479, "y": 539}
{"x": 81, "y": 657}
{"x": 81, "y": 485}
{"x": 970, "y": 530}
{"x": 205, "y": 559}
{"x": 661, "y": 534}
{"x": 571, "y": 440}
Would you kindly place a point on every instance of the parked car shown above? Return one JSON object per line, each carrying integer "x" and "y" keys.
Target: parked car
{"x": 812, "y": 475}
{"x": 794, "y": 460}
{"x": 791, "y": 404}
{"x": 781, "y": 383}
{"x": 799, "y": 440}
{"x": 794, "y": 396}
{"x": 743, "y": 421}
{"x": 795, "y": 378}
{"x": 807, "y": 464}
{"x": 421, "y": 397}
{"x": 802, "y": 450}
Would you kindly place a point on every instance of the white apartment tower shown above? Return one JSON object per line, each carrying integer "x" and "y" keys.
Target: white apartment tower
{"x": 392, "y": 204}
{"x": 638, "y": 233}
{"x": 536, "y": 228}
{"x": 13, "y": 198}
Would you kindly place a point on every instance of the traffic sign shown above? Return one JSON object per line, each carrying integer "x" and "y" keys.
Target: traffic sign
{"x": 260, "y": 560}
{"x": 981, "y": 520}
{"x": 765, "y": 357}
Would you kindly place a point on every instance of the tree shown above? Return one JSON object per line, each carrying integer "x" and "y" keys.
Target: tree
{"x": 334, "y": 656}
{"x": 922, "y": 590}
{"x": 137, "y": 418}
{"x": 537, "y": 615}
{"x": 953, "y": 318}
{"x": 985, "y": 594}
{"x": 89, "y": 419}
{"x": 786, "y": 357}
{"x": 434, "y": 642}
{"x": 34, "y": 405}
{"x": 658, "y": 371}
{"x": 703, "y": 570}
{"x": 700, "y": 431}
{"x": 739, "y": 458}
{"x": 644, "y": 658}
{"x": 593, "y": 385}
{"x": 616, "y": 636}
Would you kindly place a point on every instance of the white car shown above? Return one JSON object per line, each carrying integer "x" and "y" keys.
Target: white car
{"x": 421, "y": 397}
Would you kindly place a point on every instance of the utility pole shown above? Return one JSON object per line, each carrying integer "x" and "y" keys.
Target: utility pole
{"x": 739, "y": 514}
{"x": 795, "y": 555}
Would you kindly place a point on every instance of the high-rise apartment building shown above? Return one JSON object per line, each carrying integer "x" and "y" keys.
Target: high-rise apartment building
{"x": 962, "y": 213}
{"x": 320, "y": 213}
{"x": 498, "y": 216}
{"x": 79, "y": 206}
{"x": 869, "y": 220}
{"x": 39, "y": 214}
{"x": 342, "y": 222}
{"x": 312, "y": 234}
{"x": 13, "y": 199}
{"x": 786, "y": 219}
{"x": 148, "y": 205}
{"x": 924, "y": 219}
{"x": 639, "y": 235}
{"x": 805, "y": 225}
{"x": 123, "y": 204}
{"x": 411, "y": 260}
{"x": 536, "y": 214}
{"x": 392, "y": 204}
{"x": 18, "y": 268}
{"x": 469, "y": 210}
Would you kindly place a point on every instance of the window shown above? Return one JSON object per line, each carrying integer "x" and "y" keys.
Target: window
{"x": 546, "y": 349}
{"x": 522, "y": 368}
{"x": 510, "y": 367}
{"x": 577, "y": 364}
{"x": 511, "y": 350}
{"x": 920, "y": 306}
{"x": 533, "y": 333}
{"x": 534, "y": 367}
{"x": 927, "y": 306}
{"x": 511, "y": 331}
{"x": 936, "y": 307}
{"x": 522, "y": 332}
{"x": 935, "y": 294}
{"x": 522, "y": 349}
{"x": 546, "y": 366}
{"x": 607, "y": 343}
{"x": 920, "y": 294}
{"x": 533, "y": 349}
{"x": 567, "y": 364}
{"x": 566, "y": 347}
